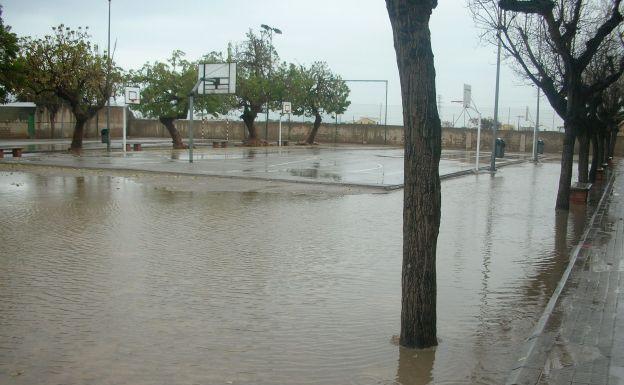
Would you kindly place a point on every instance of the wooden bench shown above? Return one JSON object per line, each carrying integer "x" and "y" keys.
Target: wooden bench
{"x": 136, "y": 147}
{"x": 220, "y": 144}
{"x": 15, "y": 151}
{"x": 579, "y": 192}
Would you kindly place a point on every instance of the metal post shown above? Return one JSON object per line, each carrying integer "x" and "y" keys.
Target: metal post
{"x": 280, "y": 131}
{"x": 108, "y": 141}
{"x": 191, "y": 128}
{"x": 266, "y": 123}
{"x": 536, "y": 129}
{"x": 494, "y": 126}
{"x": 123, "y": 140}
{"x": 478, "y": 144}
{"x": 386, "y": 117}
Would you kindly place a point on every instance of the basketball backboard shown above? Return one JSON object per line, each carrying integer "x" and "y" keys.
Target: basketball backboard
{"x": 133, "y": 95}
{"x": 218, "y": 78}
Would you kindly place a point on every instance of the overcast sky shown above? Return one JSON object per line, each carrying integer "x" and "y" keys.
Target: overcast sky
{"x": 353, "y": 36}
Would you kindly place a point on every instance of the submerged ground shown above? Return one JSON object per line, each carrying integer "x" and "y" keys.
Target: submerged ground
{"x": 142, "y": 279}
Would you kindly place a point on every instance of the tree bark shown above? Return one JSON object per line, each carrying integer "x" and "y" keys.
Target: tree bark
{"x": 249, "y": 118}
{"x": 567, "y": 160}
{"x": 596, "y": 156}
{"x": 76, "y": 144}
{"x": 176, "y": 138}
{"x": 315, "y": 127}
{"x": 52, "y": 123}
{"x": 583, "y": 161}
{"x": 422, "y": 195}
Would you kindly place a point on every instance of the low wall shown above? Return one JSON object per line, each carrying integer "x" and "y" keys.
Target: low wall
{"x": 452, "y": 138}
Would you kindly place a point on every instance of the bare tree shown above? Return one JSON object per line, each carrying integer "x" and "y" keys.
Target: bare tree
{"x": 552, "y": 44}
{"x": 422, "y": 196}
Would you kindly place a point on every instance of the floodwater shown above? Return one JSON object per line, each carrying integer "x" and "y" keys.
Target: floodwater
{"x": 112, "y": 281}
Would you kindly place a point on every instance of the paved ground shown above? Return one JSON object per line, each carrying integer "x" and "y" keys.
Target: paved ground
{"x": 368, "y": 166}
{"x": 582, "y": 340}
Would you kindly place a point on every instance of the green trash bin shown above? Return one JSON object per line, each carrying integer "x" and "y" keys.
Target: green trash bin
{"x": 105, "y": 134}
{"x": 499, "y": 151}
{"x": 540, "y": 146}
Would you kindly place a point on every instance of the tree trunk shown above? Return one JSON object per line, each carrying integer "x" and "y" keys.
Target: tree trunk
{"x": 315, "y": 127}
{"x": 422, "y": 195}
{"x": 176, "y": 138}
{"x": 596, "y": 156}
{"x": 614, "y": 132}
{"x": 52, "y": 123}
{"x": 567, "y": 160}
{"x": 249, "y": 118}
{"x": 76, "y": 144}
{"x": 583, "y": 162}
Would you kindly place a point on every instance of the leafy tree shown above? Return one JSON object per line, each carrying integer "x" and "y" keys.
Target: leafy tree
{"x": 312, "y": 91}
{"x": 67, "y": 65}
{"x": 257, "y": 60}
{"x": 165, "y": 88}
{"x": 44, "y": 100}
{"x": 552, "y": 44}
{"x": 422, "y": 193}
{"x": 9, "y": 67}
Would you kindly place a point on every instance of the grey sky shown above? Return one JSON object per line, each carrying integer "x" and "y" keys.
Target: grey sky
{"x": 353, "y": 36}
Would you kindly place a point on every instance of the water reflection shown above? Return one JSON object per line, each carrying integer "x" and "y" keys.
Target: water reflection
{"x": 415, "y": 366}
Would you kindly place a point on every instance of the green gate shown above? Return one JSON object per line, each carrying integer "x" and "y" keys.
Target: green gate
{"x": 31, "y": 126}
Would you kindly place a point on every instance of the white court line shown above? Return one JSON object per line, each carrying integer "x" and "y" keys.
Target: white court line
{"x": 294, "y": 161}
{"x": 379, "y": 167}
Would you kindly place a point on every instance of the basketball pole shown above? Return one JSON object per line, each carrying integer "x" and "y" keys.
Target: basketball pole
{"x": 124, "y": 127}
{"x": 191, "y": 95}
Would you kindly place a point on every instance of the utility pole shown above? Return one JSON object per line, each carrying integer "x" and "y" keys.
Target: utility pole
{"x": 270, "y": 31}
{"x": 495, "y": 125}
{"x": 108, "y": 87}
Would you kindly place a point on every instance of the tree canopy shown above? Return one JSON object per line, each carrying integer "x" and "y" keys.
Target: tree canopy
{"x": 165, "y": 88}
{"x": 313, "y": 90}
{"x": 67, "y": 65}
{"x": 9, "y": 66}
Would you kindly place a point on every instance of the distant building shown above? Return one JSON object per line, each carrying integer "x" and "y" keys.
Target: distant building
{"x": 365, "y": 120}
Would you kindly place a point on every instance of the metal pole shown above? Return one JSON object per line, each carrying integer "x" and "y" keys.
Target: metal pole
{"x": 191, "y": 128}
{"x": 536, "y": 129}
{"x": 280, "y": 131}
{"x": 123, "y": 140}
{"x": 108, "y": 141}
{"x": 266, "y": 124}
{"x": 386, "y": 117}
{"x": 478, "y": 144}
{"x": 494, "y": 126}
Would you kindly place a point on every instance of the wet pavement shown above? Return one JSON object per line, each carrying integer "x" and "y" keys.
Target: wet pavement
{"x": 344, "y": 165}
{"x": 582, "y": 340}
{"x": 111, "y": 280}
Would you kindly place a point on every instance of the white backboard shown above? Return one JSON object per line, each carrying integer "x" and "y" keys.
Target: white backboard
{"x": 286, "y": 107}
{"x": 218, "y": 78}
{"x": 132, "y": 95}
{"x": 467, "y": 95}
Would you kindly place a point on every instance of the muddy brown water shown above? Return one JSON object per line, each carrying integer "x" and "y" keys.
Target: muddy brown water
{"x": 107, "y": 280}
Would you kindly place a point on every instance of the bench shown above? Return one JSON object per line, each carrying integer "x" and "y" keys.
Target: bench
{"x": 136, "y": 147}
{"x": 284, "y": 143}
{"x": 220, "y": 144}
{"x": 15, "y": 151}
{"x": 579, "y": 193}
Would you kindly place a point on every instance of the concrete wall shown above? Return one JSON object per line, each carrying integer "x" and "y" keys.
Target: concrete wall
{"x": 452, "y": 138}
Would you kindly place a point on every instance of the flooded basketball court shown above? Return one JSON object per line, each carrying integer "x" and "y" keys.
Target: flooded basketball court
{"x": 115, "y": 280}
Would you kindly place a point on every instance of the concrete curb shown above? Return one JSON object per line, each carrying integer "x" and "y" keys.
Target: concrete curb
{"x": 526, "y": 371}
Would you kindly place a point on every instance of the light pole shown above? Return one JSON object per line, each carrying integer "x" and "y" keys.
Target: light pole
{"x": 495, "y": 125}
{"x": 270, "y": 31}
{"x": 108, "y": 141}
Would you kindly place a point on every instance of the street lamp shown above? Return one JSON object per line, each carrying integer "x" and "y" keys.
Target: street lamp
{"x": 108, "y": 141}
{"x": 270, "y": 31}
